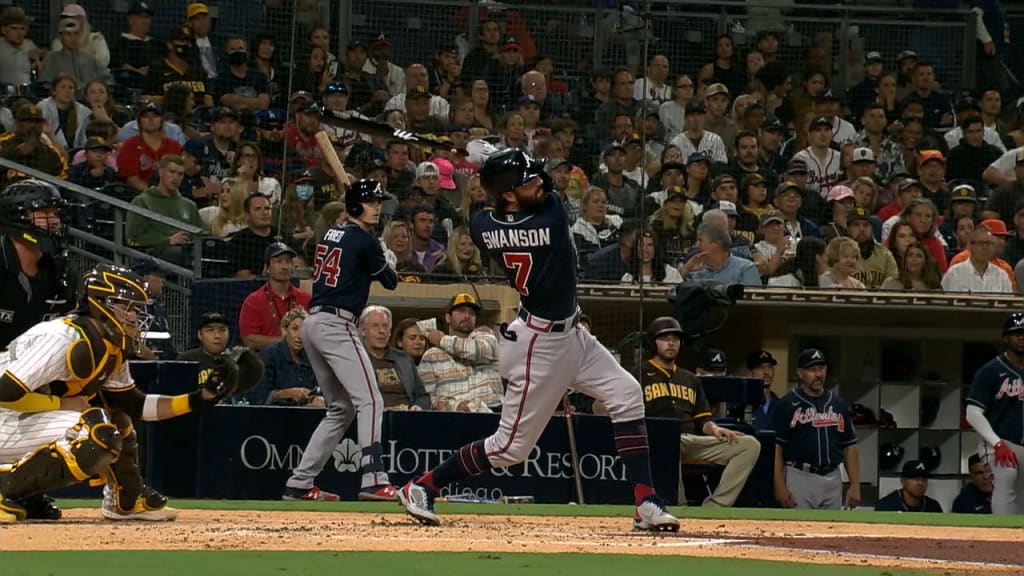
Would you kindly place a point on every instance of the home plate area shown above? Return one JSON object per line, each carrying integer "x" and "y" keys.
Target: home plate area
{"x": 943, "y": 550}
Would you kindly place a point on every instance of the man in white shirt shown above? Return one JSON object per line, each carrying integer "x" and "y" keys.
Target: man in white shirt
{"x": 977, "y": 274}
{"x": 964, "y": 109}
{"x": 199, "y": 21}
{"x": 696, "y": 139}
{"x": 824, "y": 164}
{"x": 830, "y": 106}
{"x": 1002, "y": 170}
{"x": 389, "y": 73}
{"x": 654, "y": 87}
{"x": 416, "y": 75}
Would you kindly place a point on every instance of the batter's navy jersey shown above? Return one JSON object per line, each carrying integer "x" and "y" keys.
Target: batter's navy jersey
{"x": 812, "y": 430}
{"x": 347, "y": 259}
{"x": 998, "y": 389}
{"x": 537, "y": 252}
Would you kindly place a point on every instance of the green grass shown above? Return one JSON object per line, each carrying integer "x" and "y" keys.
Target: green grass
{"x": 166, "y": 563}
{"x": 866, "y": 516}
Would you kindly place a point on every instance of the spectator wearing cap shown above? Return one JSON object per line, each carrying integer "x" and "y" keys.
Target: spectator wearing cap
{"x": 977, "y": 274}
{"x": 673, "y": 225}
{"x": 213, "y": 334}
{"x": 829, "y": 104}
{"x": 444, "y": 71}
{"x": 969, "y": 107}
{"x": 368, "y": 94}
{"x": 964, "y": 203}
{"x": 529, "y": 110}
{"x": 713, "y": 261}
{"x": 288, "y": 377}
{"x": 249, "y": 246}
{"x": 418, "y": 117}
{"x": 336, "y": 99}
{"x": 864, "y": 92}
{"x": 92, "y": 42}
{"x": 216, "y": 151}
{"x": 94, "y": 172}
{"x": 769, "y": 139}
{"x": 906, "y": 61}
{"x": 931, "y": 171}
{"x": 198, "y": 21}
{"x": 27, "y": 145}
{"x": 969, "y": 157}
{"x": 774, "y": 247}
{"x": 400, "y": 384}
{"x": 938, "y": 105}
{"x": 379, "y": 64}
{"x": 259, "y": 321}
{"x": 696, "y": 181}
{"x": 745, "y": 156}
{"x": 559, "y": 169}
{"x": 460, "y": 369}
{"x": 724, "y": 189}
{"x": 134, "y": 51}
{"x": 840, "y": 203}
{"x": 19, "y": 53}
{"x": 788, "y": 199}
{"x": 1000, "y": 237}
{"x": 876, "y": 264}
{"x": 139, "y": 155}
{"x": 428, "y": 177}
{"x": 761, "y": 364}
{"x": 824, "y": 164}
{"x": 240, "y": 86}
{"x": 299, "y": 134}
{"x": 425, "y": 249}
{"x": 70, "y": 56}
{"x": 624, "y": 195}
{"x": 911, "y": 496}
{"x": 416, "y": 82}
{"x": 862, "y": 164}
{"x": 706, "y": 141}
{"x": 503, "y": 74}
{"x": 716, "y": 102}
{"x": 976, "y": 495}
{"x": 620, "y": 101}
{"x": 908, "y": 190}
{"x": 161, "y": 240}
{"x": 887, "y": 153}
{"x": 177, "y": 68}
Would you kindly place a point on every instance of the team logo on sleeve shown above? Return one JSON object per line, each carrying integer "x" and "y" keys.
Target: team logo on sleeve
{"x": 826, "y": 419}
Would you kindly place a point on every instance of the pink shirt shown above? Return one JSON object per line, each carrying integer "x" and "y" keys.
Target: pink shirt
{"x": 111, "y": 159}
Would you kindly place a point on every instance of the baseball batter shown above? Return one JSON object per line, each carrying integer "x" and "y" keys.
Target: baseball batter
{"x": 543, "y": 350}
{"x": 813, "y": 437}
{"x": 348, "y": 258}
{"x": 995, "y": 409}
{"x": 67, "y": 401}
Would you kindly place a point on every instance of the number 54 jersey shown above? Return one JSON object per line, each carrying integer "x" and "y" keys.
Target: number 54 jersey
{"x": 538, "y": 255}
{"x": 346, "y": 260}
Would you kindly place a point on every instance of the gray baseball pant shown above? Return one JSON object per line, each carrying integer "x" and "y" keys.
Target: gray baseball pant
{"x": 1007, "y": 483}
{"x": 815, "y": 491}
{"x": 346, "y": 378}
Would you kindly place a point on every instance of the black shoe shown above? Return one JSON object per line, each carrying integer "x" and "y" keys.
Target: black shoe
{"x": 40, "y": 507}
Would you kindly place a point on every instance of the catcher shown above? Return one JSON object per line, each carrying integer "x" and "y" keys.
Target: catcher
{"x": 67, "y": 401}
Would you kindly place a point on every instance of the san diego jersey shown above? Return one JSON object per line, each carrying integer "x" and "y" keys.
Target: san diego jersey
{"x": 347, "y": 259}
{"x": 998, "y": 389}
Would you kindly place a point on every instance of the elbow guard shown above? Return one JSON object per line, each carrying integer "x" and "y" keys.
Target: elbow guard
{"x": 11, "y": 390}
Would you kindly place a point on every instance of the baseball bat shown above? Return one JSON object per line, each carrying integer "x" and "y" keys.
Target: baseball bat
{"x": 330, "y": 156}
{"x": 363, "y": 126}
{"x": 569, "y": 426}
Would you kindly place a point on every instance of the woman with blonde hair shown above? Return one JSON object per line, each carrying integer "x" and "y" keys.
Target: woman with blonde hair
{"x": 463, "y": 258}
{"x": 228, "y": 216}
{"x": 595, "y": 228}
{"x": 473, "y": 200}
{"x": 673, "y": 225}
{"x": 843, "y": 255}
{"x": 398, "y": 238}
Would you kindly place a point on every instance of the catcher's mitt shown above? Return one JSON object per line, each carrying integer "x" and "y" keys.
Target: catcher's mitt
{"x": 235, "y": 372}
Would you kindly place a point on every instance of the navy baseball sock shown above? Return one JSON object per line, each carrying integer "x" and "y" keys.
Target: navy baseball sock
{"x": 631, "y": 443}
{"x": 467, "y": 461}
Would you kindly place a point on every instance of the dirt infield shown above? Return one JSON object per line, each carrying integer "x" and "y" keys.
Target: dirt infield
{"x": 973, "y": 551}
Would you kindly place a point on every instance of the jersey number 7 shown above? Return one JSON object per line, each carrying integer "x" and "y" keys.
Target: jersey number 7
{"x": 521, "y": 263}
{"x": 327, "y": 261}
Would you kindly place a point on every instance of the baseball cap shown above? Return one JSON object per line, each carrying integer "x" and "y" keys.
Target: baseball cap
{"x": 897, "y": 175}
{"x": 826, "y": 95}
{"x": 417, "y": 91}
{"x": 97, "y": 142}
{"x": 73, "y": 11}
{"x": 863, "y": 155}
{"x": 446, "y": 172}
{"x": 448, "y": 48}
{"x": 796, "y": 166}
{"x": 381, "y": 41}
{"x": 698, "y": 157}
{"x": 694, "y": 107}
{"x": 673, "y": 166}
{"x": 725, "y": 206}
{"x": 772, "y": 124}
{"x": 769, "y": 216}
{"x": 858, "y": 213}
{"x": 909, "y": 183}
{"x": 140, "y": 8}
{"x": 675, "y": 192}
{"x": 14, "y": 15}
{"x": 754, "y": 179}
{"x": 914, "y": 469}
{"x": 819, "y": 121}
{"x": 996, "y": 226}
{"x": 196, "y": 9}
{"x": 612, "y": 148}
{"x": 838, "y": 192}
{"x": 300, "y": 97}
{"x": 222, "y": 112}
{"x": 276, "y": 249}
{"x": 714, "y": 359}
{"x": 964, "y": 193}
{"x": 212, "y": 318}
{"x": 336, "y": 88}
{"x": 309, "y": 107}
{"x": 355, "y": 45}
{"x": 759, "y": 357}
{"x": 427, "y": 168}
{"x": 716, "y": 89}
{"x": 1013, "y": 323}
{"x": 68, "y": 25}
{"x": 509, "y": 43}
{"x": 906, "y": 54}
{"x": 179, "y": 33}
{"x": 809, "y": 357}
{"x": 303, "y": 176}
{"x": 873, "y": 57}
{"x": 786, "y": 186}
{"x": 28, "y": 113}
{"x": 930, "y": 155}
{"x": 463, "y": 299}
{"x": 268, "y": 117}
{"x": 149, "y": 106}
{"x": 722, "y": 179}
{"x": 555, "y": 163}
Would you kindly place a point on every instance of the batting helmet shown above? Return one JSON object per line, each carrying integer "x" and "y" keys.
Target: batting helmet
{"x": 661, "y": 326}
{"x": 1013, "y": 323}
{"x": 889, "y": 456}
{"x": 19, "y": 199}
{"x": 931, "y": 457}
{"x": 862, "y": 415}
{"x": 510, "y": 169}
{"x": 363, "y": 191}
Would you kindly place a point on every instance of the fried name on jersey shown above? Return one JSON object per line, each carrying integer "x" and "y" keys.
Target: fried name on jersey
{"x": 333, "y": 235}
{"x": 516, "y": 238}
{"x": 817, "y": 419}
{"x": 1011, "y": 389}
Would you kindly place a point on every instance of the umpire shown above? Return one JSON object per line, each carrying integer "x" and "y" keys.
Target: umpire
{"x": 813, "y": 437}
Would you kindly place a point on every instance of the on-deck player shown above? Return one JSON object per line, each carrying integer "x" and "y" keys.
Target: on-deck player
{"x": 348, "y": 258}
{"x": 995, "y": 409}
{"x": 543, "y": 350}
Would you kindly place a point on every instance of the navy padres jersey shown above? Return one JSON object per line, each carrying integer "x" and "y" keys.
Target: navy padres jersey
{"x": 347, "y": 259}
{"x": 998, "y": 389}
{"x": 537, "y": 252}
{"x": 813, "y": 431}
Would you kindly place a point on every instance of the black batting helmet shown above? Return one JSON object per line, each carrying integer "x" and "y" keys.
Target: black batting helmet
{"x": 931, "y": 457}
{"x": 19, "y": 199}
{"x": 1013, "y": 323}
{"x": 660, "y": 327}
{"x": 363, "y": 191}
{"x": 889, "y": 456}
{"x": 510, "y": 169}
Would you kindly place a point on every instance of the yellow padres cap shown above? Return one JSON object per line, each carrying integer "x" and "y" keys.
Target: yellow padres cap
{"x": 463, "y": 299}
{"x": 196, "y": 9}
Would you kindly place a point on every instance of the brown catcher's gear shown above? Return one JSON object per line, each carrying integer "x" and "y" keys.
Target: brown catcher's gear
{"x": 235, "y": 372}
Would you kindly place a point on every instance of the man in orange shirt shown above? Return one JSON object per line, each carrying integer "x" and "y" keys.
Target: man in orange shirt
{"x": 998, "y": 229}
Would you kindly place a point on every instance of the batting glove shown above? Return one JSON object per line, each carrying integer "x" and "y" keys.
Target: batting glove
{"x": 1004, "y": 455}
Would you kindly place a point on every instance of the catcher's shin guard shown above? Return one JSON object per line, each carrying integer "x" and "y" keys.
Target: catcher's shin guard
{"x": 125, "y": 493}
{"x": 87, "y": 449}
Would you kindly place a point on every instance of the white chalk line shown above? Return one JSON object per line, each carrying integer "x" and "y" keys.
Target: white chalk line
{"x": 966, "y": 563}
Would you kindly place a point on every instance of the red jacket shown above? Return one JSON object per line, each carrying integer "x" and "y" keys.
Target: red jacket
{"x": 937, "y": 250}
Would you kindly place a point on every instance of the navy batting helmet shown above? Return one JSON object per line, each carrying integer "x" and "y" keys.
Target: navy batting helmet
{"x": 889, "y": 456}
{"x": 931, "y": 457}
{"x": 363, "y": 191}
{"x": 1013, "y": 323}
{"x": 510, "y": 169}
{"x": 661, "y": 326}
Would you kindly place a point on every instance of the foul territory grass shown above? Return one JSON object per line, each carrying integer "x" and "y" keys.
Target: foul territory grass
{"x": 865, "y": 516}
{"x": 165, "y": 563}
